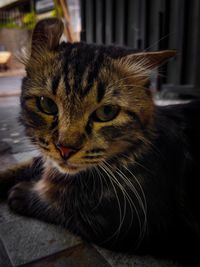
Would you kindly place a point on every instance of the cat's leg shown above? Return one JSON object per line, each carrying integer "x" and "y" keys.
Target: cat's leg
{"x": 26, "y": 171}
{"x": 36, "y": 199}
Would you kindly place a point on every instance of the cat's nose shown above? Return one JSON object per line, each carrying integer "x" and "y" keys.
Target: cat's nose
{"x": 65, "y": 151}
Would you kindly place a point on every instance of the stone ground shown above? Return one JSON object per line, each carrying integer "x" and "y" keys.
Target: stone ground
{"x": 31, "y": 243}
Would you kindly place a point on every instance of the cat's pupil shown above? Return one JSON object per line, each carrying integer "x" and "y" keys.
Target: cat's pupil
{"x": 107, "y": 110}
{"x": 47, "y": 105}
{"x": 106, "y": 113}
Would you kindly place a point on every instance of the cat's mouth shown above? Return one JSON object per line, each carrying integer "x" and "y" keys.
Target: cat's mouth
{"x": 70, "y": 168}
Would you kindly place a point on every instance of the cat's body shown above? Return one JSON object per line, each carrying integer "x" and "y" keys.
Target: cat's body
{"x": 126, "y": 176}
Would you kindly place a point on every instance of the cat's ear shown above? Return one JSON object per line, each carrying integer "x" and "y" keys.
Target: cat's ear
{"x": 148, "y": 60}
{"x": 47, "y": 34}
{"x": 152, "y": 60}
{"x": 140, "y": 65}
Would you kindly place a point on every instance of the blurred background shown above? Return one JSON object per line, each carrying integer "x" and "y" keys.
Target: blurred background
{"x": 139, "y": 24}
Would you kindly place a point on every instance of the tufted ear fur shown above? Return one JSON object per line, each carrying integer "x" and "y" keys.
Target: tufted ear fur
{"x": 148, "y": 60}
{"x": 151, "y": 60}
{"x": 140, "y": 65}
{"x": 47, "y": 34}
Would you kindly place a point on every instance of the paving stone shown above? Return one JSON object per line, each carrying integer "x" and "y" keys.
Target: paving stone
{"x": 10, "y": 84}
{"x": 28, "y": 240}
{"x": 124, "y": 260}
{"x": 6, "y": 215}
{"x": 14, "y": 134}
{"x": 4, "y": 259}
{"x": 24, "y": 156}
{"x": 21, "y": 145}
{"x": 6, "y": 161}
{"x": 4, "y": 147}
{"x": 9, "y": 126}
{"x": 149, "y": 261}
{"x": 80, "y": 256}
{"x": 7, "y": 102}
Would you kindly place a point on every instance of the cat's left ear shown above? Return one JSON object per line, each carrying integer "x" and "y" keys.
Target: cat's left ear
{"x": 152, "y": 60}
{"x": 47, "y": 34}
{"x": 148, "y": 60}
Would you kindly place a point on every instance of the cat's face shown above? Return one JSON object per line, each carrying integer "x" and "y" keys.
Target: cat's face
{"x": 82, "y": 106}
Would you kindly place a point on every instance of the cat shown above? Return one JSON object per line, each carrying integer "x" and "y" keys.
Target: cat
{"x": 115, "y": 168}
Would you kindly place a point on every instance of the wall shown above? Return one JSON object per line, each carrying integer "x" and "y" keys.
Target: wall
{"x": 14, "y": 40}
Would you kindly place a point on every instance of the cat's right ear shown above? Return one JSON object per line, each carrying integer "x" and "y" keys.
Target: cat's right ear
{"x": 46, "y": 35}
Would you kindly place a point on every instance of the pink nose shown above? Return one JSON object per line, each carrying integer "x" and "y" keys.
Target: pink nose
{"x": 65, "y": 151}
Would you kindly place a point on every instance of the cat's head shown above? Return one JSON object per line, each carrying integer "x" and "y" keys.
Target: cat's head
{"x": 85, "y": 104}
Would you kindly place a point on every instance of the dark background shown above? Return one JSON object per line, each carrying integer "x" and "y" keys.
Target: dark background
{"x": 151, "y": 25}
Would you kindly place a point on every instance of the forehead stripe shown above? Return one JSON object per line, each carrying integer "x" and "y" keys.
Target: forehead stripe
{"x": 55, "y": 83}
{"x": 100, "y": 91}
{"x": 94, "y": 68}
{"x": 90, "y": 82}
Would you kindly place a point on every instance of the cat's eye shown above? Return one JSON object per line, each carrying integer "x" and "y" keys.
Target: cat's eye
{"x": 47, "y": 105}
{"x": 106, "y": 113}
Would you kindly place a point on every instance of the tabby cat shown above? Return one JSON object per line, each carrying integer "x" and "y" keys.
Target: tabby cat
{"x": 114, "y": 168}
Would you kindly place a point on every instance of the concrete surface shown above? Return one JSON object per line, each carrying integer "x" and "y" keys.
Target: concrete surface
{"x": 31, "y": 243}
{"x": 10, "y": 85}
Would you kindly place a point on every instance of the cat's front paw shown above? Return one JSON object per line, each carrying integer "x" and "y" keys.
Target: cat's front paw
{"x": 20, "y": 198}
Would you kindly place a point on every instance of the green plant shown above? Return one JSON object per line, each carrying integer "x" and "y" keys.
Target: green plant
{"x": 29, "y": 20}
{"x": 53, "y": 13}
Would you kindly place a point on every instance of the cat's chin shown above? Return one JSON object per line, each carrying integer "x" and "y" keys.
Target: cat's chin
{"x": 68, "y": 168}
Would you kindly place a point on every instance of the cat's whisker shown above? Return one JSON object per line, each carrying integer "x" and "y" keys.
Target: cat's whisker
{"x": 143, "y": 202}
{"x": 134, "y": 161}
{"x": 127, "y": 194}
{"x": 84, "y": 215}
{"x": 141, "y": 225}
{"x": 162, "y": 38}
{"x": 94, "y": 181}
{"x": 134, "y": 189}
{"x": 128, "y": 180}
{"x": 142, "y": 191}
{"x": 104, "y": 168}
{"x": 127, "y": 198}
{"x": 100, "y": 177}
